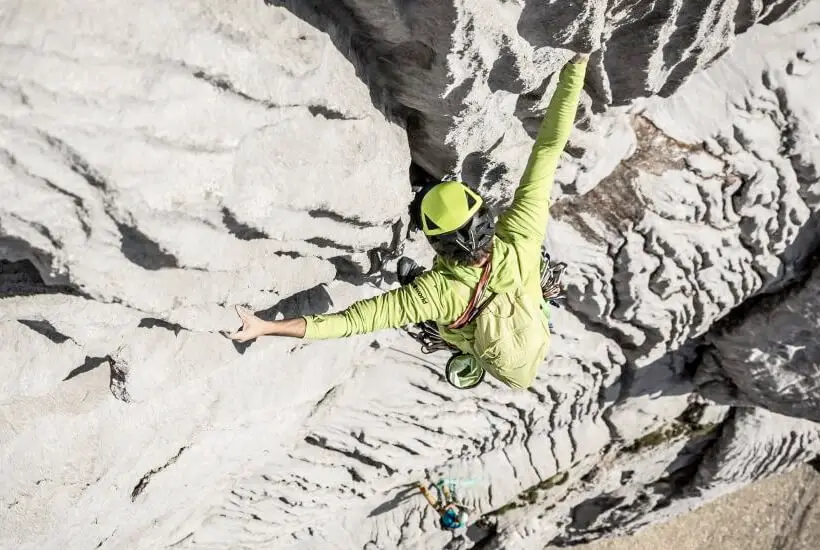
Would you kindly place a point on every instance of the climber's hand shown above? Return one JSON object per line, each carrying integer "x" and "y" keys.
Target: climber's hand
{"x": 252, "y": 326}
{"x": 579, "y": 57}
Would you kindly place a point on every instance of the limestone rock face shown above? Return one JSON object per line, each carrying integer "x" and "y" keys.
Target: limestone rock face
{"x": 471, "y": 75}
{"x": 161, "y": 163}
{"x": 770, "y": 358}
{"x": 193, "y": 151}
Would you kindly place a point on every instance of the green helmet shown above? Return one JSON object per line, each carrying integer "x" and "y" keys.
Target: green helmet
{"x": 447, "y": 207}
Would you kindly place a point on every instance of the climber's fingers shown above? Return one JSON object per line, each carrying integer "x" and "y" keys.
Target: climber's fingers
{"x": 246, "y": 315}
{"x": 241, "y": 336}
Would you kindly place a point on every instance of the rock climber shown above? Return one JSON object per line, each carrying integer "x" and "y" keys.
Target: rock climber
{"x": 452, "y": 514}
{"x": 486, "y": 296}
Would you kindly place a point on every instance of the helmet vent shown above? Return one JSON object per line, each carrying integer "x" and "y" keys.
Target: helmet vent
{"x": 430, "y": 223}
{"x": 470, "y": 200}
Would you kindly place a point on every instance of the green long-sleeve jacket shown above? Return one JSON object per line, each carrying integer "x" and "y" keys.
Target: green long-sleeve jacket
{"x": 520, "y": 231}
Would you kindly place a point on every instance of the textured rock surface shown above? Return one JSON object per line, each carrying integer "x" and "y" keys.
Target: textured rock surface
{"x": 163, "y": 163}
{"x": 245, "y": 132}
{"x": 782, "y": 511}
{"x": 771, "y": 357}
{"x": 471, "y": 74}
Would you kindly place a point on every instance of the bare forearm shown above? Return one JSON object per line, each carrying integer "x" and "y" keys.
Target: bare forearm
{"x": 287, "y": 327}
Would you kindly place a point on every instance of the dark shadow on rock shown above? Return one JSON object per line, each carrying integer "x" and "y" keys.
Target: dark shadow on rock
{"x": 352, "y": 39}
{"x": 548, "y": 24}
{"x": 421, "y": 178}
{"x": 46, "y": 232}
{"x": 90, "y": 363}
{"x": 241, "y": 347}
{"x": 815, "y": 463}
{"x": 682, "y": 470}
{"x": 313, "y": 301}
{"x": 336, "y": 217}
{"x": 399, "y": 50}
{"x": 356, "y": 271}
{"x": 525, "y": 104}
{"x": 46, "y": 329}
{"x": 779, "y": 10}
{"x": 669, "y": 375}
{"x": 238, "y": 229}
{"x": 681, "y": 55}
{"x": 587, "y": 512}
{"x": 505, "y": 74}
{"x": 329, "y": 114}
{"x": 288, "y": 253}
{"x": 22, "y": 277}
{"x": 421, "y": 181}
{"x": 475, "y": 168}
{"x": 355, "y": 454}
{"x": 491, "y": 178}
{"x": 322, "y": 242}
{"x": 141, "y": 250}
{"x": 746, "y": 15}
{"x": 77, "y": 163}
{"x": 393, "y": 503}
{"x": 631, "y": 47}
{"x": 153, "y": 322}
{"x": 678, "y": 76}
{"x": 482, "y": 533}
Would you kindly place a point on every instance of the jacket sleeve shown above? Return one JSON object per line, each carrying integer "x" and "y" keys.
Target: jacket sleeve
{"x": 426, "y": 298}
{"x": 527, "y": 216}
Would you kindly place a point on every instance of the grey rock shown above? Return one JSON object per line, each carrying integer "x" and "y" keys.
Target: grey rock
{"x": 161, "y": 164}
{"x": 140, "y": 172}
{"x": 768, "y": 354}
{"x": 470, "y": 74}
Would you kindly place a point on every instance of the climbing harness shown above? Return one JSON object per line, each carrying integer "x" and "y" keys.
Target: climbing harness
{"x": 462, "y": 370}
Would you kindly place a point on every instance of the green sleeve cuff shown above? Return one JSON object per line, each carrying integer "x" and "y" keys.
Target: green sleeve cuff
{"x": 573, "y": 72}
{"x": 323, "y": 327}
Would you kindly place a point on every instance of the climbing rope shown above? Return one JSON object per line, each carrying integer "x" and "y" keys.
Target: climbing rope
{"x": 427, "y": 335}
{"x": 551, "y": 275}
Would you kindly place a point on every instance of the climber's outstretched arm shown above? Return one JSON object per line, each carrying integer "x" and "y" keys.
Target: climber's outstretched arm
{"x": 427, "y": 298}
{"x": 527, "y": 216}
